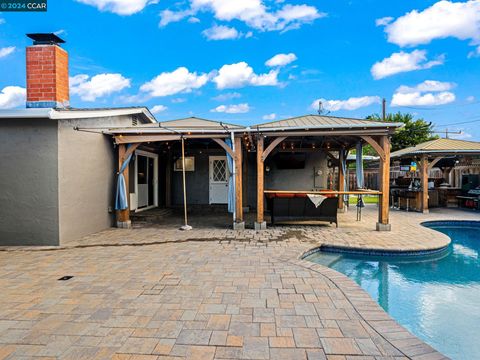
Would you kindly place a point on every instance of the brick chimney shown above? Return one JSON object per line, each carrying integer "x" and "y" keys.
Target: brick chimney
{"x": 47, "y": 72}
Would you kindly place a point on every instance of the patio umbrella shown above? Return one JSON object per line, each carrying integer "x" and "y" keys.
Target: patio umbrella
{"x": 185, "y": 226}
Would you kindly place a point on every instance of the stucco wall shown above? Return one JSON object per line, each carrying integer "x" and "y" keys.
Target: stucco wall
{"x": 299, "y": 179}
{"x": 28, "y": 182}
{"x": 87, "y": 168}
{"x": 197, "y": 182}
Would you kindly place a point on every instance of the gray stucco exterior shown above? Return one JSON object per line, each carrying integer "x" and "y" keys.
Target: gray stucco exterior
{"x": 279, "y": 179}
{"x": 56, "y": 183}
{"x": 197, "y": 181}
{"x": 86, "y": 175}
{"x": 28, "y": 182}
{"x": 299, "y": 179}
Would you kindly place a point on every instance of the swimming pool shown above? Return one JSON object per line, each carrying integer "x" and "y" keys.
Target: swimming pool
{"x": 436, "y": 297}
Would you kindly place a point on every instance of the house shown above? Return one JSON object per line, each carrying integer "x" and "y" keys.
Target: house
{"x": 68, "y": 172}
{"x": 56, "y": 182}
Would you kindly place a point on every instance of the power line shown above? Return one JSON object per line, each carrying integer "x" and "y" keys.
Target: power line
{"x": 460, "y": 123}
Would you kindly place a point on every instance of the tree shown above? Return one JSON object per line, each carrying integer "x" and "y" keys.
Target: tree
{"x": 412, "y": 133}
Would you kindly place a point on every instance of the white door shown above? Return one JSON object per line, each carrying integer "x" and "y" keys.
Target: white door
{"x": 219, "y": 175}
{"x": 146, "y": 180}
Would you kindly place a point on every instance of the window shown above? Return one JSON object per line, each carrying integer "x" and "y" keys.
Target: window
{"x": 189, "y": 164}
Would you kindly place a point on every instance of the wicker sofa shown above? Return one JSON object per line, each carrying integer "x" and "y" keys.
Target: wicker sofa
{"x": 298, "y": 207}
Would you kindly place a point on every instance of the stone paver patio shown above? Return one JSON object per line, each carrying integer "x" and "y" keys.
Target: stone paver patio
{"x": 205, "y": 294}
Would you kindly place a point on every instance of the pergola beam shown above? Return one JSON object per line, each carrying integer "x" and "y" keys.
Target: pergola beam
{"x": 424, "y": 170}
{"x": 225, "y": 147}
{"x": 123, "y": 216}
{"x": 260, "y": 223}
{"x": 238, "y": 183}
{"x": 376, "y": 146}
{"x": 383, "y": 223}
{"x": 272, "y": 146}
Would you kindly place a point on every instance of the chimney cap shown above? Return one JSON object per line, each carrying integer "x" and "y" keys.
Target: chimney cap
{"x": 45, "y": 39}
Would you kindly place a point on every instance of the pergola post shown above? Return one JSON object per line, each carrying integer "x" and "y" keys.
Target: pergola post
{"x": 424, "y": 181}
{"x": 341, "y": 179}
{"x": 383, "y": 223}
{"x": 239, "y": 223}
{"x": 123, "y": 216}
{"x": 260, "y": 224}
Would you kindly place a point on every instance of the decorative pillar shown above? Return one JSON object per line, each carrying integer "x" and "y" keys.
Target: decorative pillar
{"x": 260, "y": 224}
{"x": 383, "y": 223}
{"x": 239, "y": 223}
{"x": 424, "y": 181}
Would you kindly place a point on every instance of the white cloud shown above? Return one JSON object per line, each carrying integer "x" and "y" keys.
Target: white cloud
{"x": 241, "y": 74}
{"x": 4, "y": 52}
{"x": 470, "y": 98}
{"x": 281, "y": 60}
{"x": 221, "y": 32}
{"x": 169, "y": 16}
{"x": 404, "y": 62}
{"x": 178, "y": 100}
{"x": 227, "y": 96}
{"x": 170, "y": 83}
{"x": 232, "y": 109}
{"x": 158, "y": 109}
{"x": 474, "y": 53}
{"x": 462, "y": 136}
{"x": 352, "y": 103}
{"x": 426, "y": 86}
{"x": 12, "y": 97}
{"x": 384, "y": 21}
{"x": 89, "y": 89}
{"x": 271, "y": 116}
{"x": 193, "y": 20}
{"x": 252, "y": 12}
{"x": 2, "y": 21}
{"x": 119, "y": 7}
{"x": 443, "y": 19}
{"x": 427, "y": 93}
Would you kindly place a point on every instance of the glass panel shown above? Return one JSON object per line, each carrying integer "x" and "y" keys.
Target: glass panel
{"x": 142, "y": 169}
{"x": 189, "y": 164}
{"x": 151, "y": 173}
{"x": 219, "y": 170}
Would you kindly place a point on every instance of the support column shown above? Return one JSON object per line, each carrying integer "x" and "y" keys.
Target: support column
{"x": 239, "y": 223}
{"x": 260, "y": 224}
{"x": 383, "y": 223}
{"x": 168, "y": 182}
{"x": 123, "y": 216}
{"x": 341, "y": 179}
{"x": 424, "y": 181}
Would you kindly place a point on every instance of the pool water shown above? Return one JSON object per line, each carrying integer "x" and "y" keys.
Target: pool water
{"x": 436, "y": 297}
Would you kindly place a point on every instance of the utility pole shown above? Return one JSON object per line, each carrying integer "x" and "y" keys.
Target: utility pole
{"x": 448, "y": 132}
{"x": 384, "y": 109}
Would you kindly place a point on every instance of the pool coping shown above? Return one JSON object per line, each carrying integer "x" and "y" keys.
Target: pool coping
{"x": 367, "y": 308}
{"x": 369, "y": 311}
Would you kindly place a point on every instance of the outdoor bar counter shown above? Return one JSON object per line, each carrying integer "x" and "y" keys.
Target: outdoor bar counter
{"x": 411, "y": 199}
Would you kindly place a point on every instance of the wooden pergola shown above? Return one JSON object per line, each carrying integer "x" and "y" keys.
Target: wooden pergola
{"x": 332, "y": 135}
{"x": 429, "y": 153}
{"x": 129, "y": 139}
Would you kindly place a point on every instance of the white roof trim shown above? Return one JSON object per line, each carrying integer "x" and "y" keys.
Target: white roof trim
{"x": 74, "y": 113}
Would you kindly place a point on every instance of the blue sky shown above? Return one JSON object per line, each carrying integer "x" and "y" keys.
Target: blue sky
{"x": 210, "y": 58}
